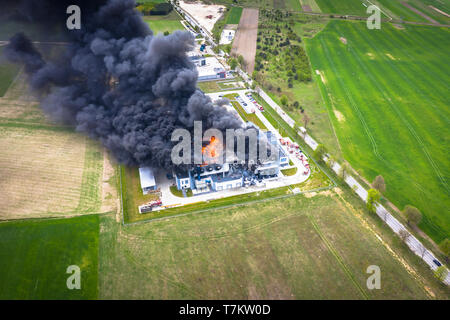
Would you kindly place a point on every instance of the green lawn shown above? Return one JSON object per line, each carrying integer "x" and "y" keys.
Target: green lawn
{"x": 8, "y": 72}
{"x": 234, "y": 16}
{"x": 161, "y": 26}
{"x": 34, "y": 256}
{"x": 289, "y": 172}
{"x": 387, "y": 95}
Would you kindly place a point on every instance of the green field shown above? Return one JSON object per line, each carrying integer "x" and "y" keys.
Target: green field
{"x": 34, "y": 256}
{"x": 387, "y": 95}
{"x": 354, "y": 7}
{"x": 161, "y": 26}
{"x": 234, "y": 16}
{"x": 8, "y": 72}
{"x": 390, "y": 8}
{"x": 296, "y": 248}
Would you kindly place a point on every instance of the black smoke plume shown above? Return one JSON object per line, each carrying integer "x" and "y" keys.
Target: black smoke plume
{"x": 116, "y": 81}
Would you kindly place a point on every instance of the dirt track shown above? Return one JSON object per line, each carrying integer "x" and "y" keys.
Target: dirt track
{"x": 419, "y": 13}
{"x": 245, "y": 41}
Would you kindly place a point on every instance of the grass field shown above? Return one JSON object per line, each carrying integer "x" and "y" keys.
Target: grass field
{"x": 161, "y": 24}
{"x": 8, "y": 72}
{"x": 234, "y": 16}
{"x": 34, "y": 256}
{"x": 296, "y": 248}
{"x": 387, "y": 95}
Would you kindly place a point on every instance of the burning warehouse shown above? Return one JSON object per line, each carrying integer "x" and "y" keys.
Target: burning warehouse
{"x": 212, "y": 176}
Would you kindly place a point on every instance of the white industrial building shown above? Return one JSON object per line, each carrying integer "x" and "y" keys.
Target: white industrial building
{"x": 147, "y": 179}
{"x": 218, "y": 177}
{"x": 208, "y": 68}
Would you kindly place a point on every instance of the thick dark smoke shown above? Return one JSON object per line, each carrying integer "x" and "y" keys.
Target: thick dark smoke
{"x": 117, "y": 82}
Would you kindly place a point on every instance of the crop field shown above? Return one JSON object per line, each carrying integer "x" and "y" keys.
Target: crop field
{"x": 293, "y": 5}
{"x": 296, "y": 248}
{"x": 354, "y": 7}
{"x": 391, "y": 8}
{"x": 309, "y": 6}
{"x": 387, "y": 95}
{"x": 31, "y": 187}
{"x": 399, "y": 10}
{"x": 34, "y": 256}
{"x": 234, "y": 15}
{"x": 45, "y": 170}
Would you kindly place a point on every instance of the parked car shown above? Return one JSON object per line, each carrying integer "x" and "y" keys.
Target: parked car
{"x": 437, "y": 263}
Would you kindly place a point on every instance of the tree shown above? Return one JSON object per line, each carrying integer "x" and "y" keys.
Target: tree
{"x": 233, "y": 63}
{"x": 319, "y": 152}
{"x": 373, "y": 196}
{"x": 441, "y": 273}
{"x": 404, "y": 235}
{"x": 445, "y": 247}
{"x": 284, "y": 100}
{"x": 166, "y": 33}
{"x": 331, "y": 161}
{"x": 379, "y": 184}
{"x": 240, "y": 59}
{"x": 412, "y": 214}
{"x": 344, "y": 170}
{"x": 306, "y": 120}
{"x": 422, "y": 250}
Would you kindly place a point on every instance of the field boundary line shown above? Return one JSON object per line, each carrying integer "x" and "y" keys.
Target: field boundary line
{"x": 415, "y": 274}
{"x": 37, "y": 219}
{"x": 338, "y": 258}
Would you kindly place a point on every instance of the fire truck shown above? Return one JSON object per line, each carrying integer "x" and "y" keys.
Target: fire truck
{"x": 149, "y": 206}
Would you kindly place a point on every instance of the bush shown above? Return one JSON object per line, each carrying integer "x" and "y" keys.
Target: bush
{"x": 161, "y": 9}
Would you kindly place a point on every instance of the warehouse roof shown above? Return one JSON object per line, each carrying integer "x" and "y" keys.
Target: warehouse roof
{"x": 147, "y": 177}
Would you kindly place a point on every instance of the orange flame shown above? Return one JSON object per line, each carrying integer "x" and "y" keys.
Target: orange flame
{"x": 210, "y": 151}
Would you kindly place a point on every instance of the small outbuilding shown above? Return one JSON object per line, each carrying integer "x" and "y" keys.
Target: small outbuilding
{"x": 147, "y": 179}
